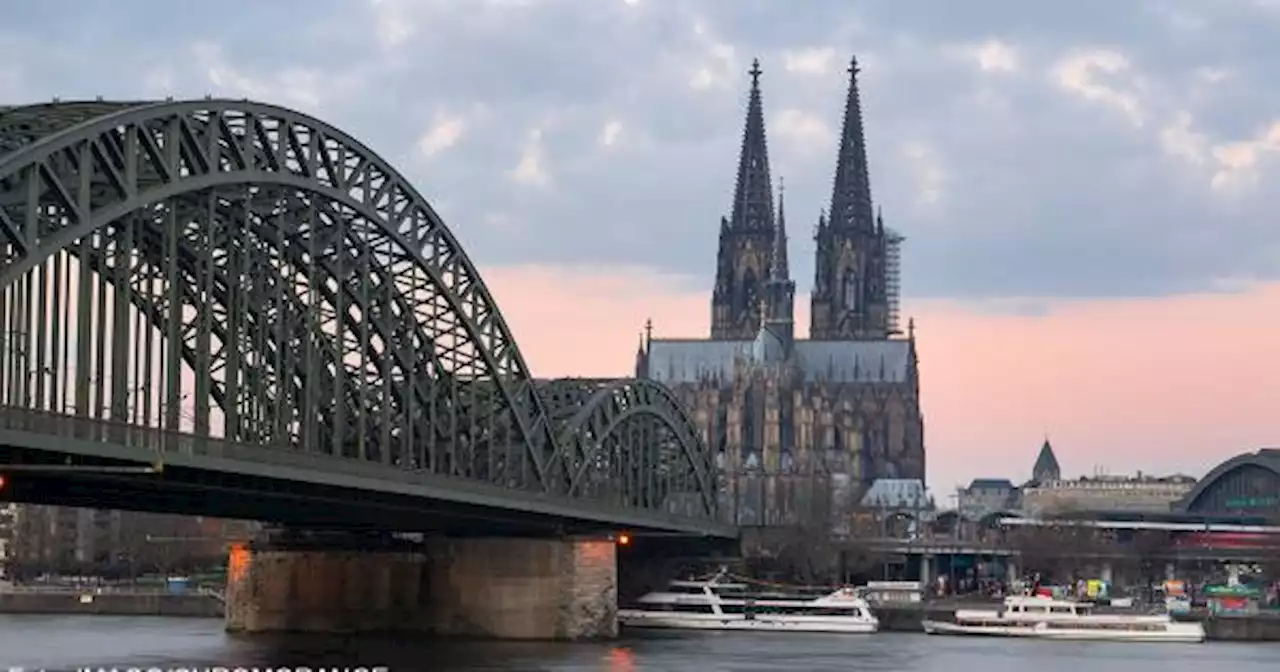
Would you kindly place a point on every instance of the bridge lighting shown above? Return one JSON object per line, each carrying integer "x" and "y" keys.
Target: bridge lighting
{"x": 624, "y": 539}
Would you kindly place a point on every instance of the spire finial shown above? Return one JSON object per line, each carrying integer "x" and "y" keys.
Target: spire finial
{"x": 911, "y": 328}
{"x": 755, "y": 72}
{"x": 853, "y": 66}
{"x": 648, "y": 331}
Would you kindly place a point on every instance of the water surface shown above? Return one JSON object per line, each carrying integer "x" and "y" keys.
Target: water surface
{"x": 71, "y": 642}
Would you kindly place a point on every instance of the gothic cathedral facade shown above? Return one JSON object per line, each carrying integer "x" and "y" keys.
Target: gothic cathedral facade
{"x": 800, "y": 422}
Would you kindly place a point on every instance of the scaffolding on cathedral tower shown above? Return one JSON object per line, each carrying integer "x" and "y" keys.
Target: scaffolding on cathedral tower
{"x": 893, "y": 275}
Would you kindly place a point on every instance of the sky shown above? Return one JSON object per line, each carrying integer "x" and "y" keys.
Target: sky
{"x": 1086, "y": 188}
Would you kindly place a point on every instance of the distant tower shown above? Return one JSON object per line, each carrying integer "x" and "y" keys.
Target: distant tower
{"x": 1046, "y": 467}
{"x": 642, "y": 352}
{"x": 855, "y": 269}
{"x": 779, "y": 289}
{"x": 746, "y": 237}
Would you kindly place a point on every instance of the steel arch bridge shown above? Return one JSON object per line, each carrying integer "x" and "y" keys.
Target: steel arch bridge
{"x": 217, "y": 285}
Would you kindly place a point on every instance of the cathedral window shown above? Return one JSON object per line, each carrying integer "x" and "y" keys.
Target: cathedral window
{"x": 750, "y": 290}
{"x": 852, "y": 288}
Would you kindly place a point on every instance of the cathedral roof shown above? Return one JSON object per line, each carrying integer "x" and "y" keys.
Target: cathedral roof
{"x": 897, "y": 493}
{"x": 694, "y": 360}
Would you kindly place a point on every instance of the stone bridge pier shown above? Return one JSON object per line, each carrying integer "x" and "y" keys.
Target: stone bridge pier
{"x": 501, "y": 588}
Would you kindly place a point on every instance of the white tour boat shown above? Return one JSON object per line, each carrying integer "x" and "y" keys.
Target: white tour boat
{"x": 1046, "y": 618}
{"x": 719, "y": 605}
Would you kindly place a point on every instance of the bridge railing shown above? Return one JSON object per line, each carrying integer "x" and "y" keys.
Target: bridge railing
{"x": 153, "y": 444}
{"x": 151, "y": 439}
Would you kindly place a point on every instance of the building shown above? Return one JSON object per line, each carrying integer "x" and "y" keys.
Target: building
{"x": 1046, "y": 467}
{"x": 986, "y": 497}
{"x": 801, "y": 427}
{"x": 8, "y": 521}
{"x": 1245, "y": 485}
{"x": 1105, "y": 492}
{"x": 66, "y": 540}
{"x": 1048, "y": 493}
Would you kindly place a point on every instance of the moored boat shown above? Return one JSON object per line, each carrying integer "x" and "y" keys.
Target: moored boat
{"x": 1047, "y": 618}
{"x": 720, "y": 604}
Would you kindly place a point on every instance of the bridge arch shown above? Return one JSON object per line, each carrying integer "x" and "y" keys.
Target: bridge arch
{"x": 243, "y": 271}
{"x": 1246, "y": 483}
{"x": 633, "y": 440}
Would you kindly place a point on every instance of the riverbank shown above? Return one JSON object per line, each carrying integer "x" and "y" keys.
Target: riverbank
{"x": 112, "y": 603}
{"x": 1218, "y": 628}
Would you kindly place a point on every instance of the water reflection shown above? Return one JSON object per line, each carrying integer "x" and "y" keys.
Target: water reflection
{"x": 622, "y": 659}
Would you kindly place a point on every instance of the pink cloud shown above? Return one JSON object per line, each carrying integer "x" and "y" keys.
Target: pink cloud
{"x": 1159, "y": 385}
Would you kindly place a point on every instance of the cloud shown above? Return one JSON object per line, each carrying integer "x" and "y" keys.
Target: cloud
{"x": 1180, "y": 139}
{"x": 609, "y": 134}
{"x": 992, "y": 55}
{"x": 715, "y": 69}
{"x": 1100, "y": 76}
{"x": 532, "y": 167}
{"x": 927, "y": 167}
{"x": 802, "y": 130}
{"x": 811, "y": 61}
{"x": 445, "y": 132}
{"x": 1130, "y": 136}
{"x": 393, "y": 25}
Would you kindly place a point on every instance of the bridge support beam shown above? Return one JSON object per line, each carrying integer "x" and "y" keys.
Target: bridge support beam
{"x": 501, "y": 588}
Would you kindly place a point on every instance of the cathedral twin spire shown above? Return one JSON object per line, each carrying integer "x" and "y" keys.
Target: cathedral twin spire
{"x": 753, "y": 191}
{"x": 753, "y": 285}
{"x": 745, "y": 258}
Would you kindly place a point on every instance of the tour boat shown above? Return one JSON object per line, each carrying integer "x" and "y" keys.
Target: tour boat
{"x": 1047, "y": 618}
{"x": 719, "y": 605}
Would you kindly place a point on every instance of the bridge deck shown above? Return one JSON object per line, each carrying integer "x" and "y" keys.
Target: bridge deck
{"x": 218, "y": 478}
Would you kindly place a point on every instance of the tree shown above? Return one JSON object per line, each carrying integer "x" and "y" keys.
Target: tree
{"x": 1056, "y": 548}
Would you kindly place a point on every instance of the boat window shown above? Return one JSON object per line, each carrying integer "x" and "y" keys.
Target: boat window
{"x": 683, "y": 608}
{"x": 1129, "y": 627}
{"x": 1060, "y": 610}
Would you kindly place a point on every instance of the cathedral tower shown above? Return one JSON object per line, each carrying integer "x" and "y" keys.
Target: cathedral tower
{"x": 855, "y": 289}
{"x": 746, "y": 237}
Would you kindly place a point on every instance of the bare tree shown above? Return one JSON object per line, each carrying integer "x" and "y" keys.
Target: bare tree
{"x": 1057, "y": 548}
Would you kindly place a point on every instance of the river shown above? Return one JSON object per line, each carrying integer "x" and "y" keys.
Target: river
{"x": 70, "y": 642}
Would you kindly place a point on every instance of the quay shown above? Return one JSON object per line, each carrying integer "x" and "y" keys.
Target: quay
{"x": 110, "y": 602}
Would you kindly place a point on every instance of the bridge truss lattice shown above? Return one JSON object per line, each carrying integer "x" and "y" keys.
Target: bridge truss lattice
{"x": 246, "y": 273}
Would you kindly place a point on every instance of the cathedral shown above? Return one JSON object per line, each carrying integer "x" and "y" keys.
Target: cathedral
{"x": 800, "y": 425}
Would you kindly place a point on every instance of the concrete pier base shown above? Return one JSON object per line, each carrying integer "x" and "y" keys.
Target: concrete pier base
{"x": 523, "y": 588}
{"x": 552, "y": 589}
{"x": 337, "y": 591}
